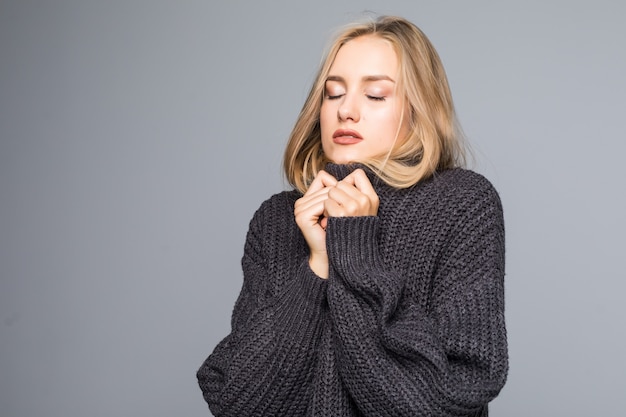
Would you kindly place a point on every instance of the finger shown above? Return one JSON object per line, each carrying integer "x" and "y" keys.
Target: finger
{"x": 312, "y": 195}
{"x": 356, "y": 196}
{"x": 314, "y": 205}
{"x": 309, "y": 200}
{"x": 333, "y": 209}
{"x": 348, "y": 201}
{"x": 322, "y": 179}
{"x": 344, "y": 190}
{"x": 359, "y": 179}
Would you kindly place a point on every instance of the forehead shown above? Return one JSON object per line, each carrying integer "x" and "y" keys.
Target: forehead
{"x": 364, "y": 56}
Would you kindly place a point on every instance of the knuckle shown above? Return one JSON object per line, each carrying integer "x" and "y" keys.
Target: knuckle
{"x": 352, "y": 206}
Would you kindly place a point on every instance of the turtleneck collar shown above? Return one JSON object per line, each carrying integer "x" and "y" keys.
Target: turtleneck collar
{"x": 340, "y": 171}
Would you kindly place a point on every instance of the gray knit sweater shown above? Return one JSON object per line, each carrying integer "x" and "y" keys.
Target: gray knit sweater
{"x": 410, "y": 321}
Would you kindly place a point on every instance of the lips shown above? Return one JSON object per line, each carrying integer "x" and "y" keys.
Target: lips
{"x": 346, "y": 137}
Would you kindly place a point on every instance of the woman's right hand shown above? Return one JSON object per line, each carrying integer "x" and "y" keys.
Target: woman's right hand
{"x": 309, "y": 214}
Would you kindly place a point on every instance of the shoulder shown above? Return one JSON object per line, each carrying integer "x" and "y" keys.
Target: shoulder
{"x": 460, "y": 179}
{"x": 462, "y": 186}
{"x": 273, "y": 237}
{"x": 279, "y": 201}
{"x": 278, "y": 207}
{"x": 455, "y": 197}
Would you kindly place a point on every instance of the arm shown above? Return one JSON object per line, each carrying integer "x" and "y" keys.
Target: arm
{"x": 267, "y": 357}
{"x": 449, "y": 360}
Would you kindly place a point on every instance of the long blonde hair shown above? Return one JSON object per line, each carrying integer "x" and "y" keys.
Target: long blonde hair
{"x": 434, "y": 141}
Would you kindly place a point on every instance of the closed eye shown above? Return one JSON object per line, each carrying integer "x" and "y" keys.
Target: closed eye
{"x": 329, "y": 97}
{"x": 376, "y": 98}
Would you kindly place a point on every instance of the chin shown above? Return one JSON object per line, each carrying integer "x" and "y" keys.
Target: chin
{"x": 343, "y": 160}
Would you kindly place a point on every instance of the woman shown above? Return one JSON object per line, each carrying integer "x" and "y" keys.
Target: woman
{"x": 375, "y": 288}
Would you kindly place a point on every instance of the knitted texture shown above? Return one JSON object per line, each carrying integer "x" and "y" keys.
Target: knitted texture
{"x": 410, "y": 321}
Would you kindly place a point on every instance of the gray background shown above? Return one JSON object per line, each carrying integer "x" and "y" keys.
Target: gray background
{"x": 138, "y": 138}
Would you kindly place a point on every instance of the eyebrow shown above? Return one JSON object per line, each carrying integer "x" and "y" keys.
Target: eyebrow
{"x": 367, "y": 78}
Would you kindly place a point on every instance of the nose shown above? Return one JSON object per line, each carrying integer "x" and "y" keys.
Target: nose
{"x": 348, "y": 109}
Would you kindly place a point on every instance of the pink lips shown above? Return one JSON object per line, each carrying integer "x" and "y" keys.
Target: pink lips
{"x": 346, "y": 137}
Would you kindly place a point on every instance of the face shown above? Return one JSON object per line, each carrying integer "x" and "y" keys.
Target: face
{"x": 361, "y": 110}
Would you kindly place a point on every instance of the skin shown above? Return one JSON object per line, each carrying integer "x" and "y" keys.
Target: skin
{"x": 361, "y": 103}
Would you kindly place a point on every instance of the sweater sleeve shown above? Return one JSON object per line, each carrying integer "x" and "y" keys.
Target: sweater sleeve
{"x": 265, "y": 364}
{"x": 450, "y": 360}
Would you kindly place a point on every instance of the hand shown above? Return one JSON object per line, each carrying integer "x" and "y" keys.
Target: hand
{"x": 352, "y": 196}
{"x": 310, "y": 218}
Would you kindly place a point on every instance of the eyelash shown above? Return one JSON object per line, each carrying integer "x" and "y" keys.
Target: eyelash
{"x": 374, "y": 98}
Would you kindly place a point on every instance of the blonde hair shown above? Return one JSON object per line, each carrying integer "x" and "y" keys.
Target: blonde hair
{"x": 434, "y": 141}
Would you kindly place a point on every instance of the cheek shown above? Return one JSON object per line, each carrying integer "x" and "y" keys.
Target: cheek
{"x": 387, "y": 126}
{"x": 390, "y": 120}
{"x": 325, "y": 118}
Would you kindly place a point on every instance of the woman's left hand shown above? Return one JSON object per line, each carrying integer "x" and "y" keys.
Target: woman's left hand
{"x": 352, "y": 196}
